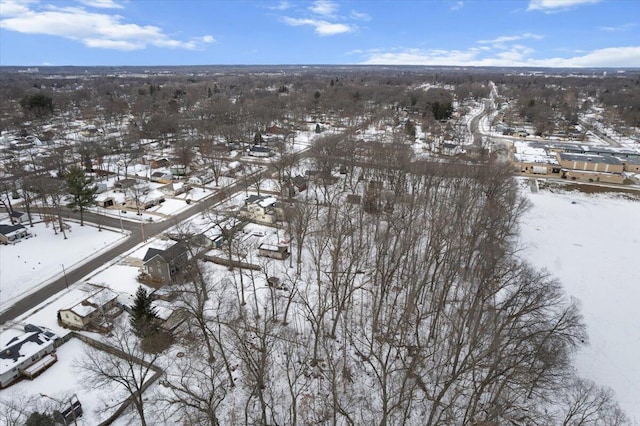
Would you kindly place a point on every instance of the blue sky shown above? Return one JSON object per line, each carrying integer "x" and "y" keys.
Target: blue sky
{"x": 556, "y": 33}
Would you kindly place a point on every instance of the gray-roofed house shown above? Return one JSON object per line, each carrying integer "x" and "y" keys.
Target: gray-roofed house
{"x": 17, "y": 217}
{"x": 164, "y": 265}
{"x": 12, "y": 233}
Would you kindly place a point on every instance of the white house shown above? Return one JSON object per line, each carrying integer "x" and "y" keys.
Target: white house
{"x": 263, "y": 209}
{"x": 179, "y": 169}
{"x": 27, "y": 355}
{"x": 202, "y": 178}
{"x": 12, "y": 233}
{"x": 91, "y": 311}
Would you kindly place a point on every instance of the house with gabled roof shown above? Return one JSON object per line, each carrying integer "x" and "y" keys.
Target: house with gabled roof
{"x": 92, "y": 312}
{"x": 161, "y": 177}
{"x": 17, "y": 217}
{"x": 26, "y": 355}
{"x": 262, "y": 209}
{"x": 13, "y": 233}
{"x": 164, "y": 265}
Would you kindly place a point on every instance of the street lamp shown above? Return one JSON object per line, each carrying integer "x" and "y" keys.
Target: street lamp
{"x": 66, "y": 282}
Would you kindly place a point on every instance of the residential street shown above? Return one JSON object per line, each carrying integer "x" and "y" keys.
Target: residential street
{"x": 135, "y": 238}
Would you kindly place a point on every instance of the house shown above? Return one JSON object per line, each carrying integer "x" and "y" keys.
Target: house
{"x": 450, "y": 149}
{"x": 169, "y": 316}
{"x": 164, "y": 265}
{"x": 294, "y": 185}
{"x": 262, "y": 209}
{"x": 145, "y": 202}
{"x": 202, "y": 178}
{"x": 101, "y": 187}
{"x": 17, "y": 217}
{"x": 161, "y": 177}
{"x": 94, "y": 312}
{"x": 13, "y": 233}
{"x": 233, "y": 168}
{"x": 273, "y": 251}
{"x": 160, "y": 163}
{"x": 179, "y": 169}
{"x": 174, "y": 189}
{"x": 26, "y": 355}
{"x": 321, "y": 177}
{"x": 105, "y": 202}
{"x": 260, "y": 151}
{"x": 124, "y": 184}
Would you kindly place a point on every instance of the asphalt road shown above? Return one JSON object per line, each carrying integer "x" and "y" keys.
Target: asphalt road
{"x": 150, "y": 230}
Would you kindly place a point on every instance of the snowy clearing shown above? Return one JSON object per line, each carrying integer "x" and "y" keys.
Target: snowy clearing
{"x": 32, "y": 262}
{"x": 591, "y": 244}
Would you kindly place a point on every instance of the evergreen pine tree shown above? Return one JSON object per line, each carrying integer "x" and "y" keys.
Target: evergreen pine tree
{"x": 143, "y": 316}
{"x": 82, "y": 190}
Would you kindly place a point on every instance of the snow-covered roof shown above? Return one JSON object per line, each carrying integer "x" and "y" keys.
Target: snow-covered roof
{"x": 102, "y": 297}
{"x": 10, "y": 230}
{"x": 88, "y": 306}
{"x": 20, "y": 348}
{"x": 267, "y": 201}
{"x": 83, "y": 310}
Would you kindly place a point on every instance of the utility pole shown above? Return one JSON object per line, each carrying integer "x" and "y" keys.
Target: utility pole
{"x": 142, "y": 228}
{"x": 66, "y": 282}
{"x": 120, "y": 217}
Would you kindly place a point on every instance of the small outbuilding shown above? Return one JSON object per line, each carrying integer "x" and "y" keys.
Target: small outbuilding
{"x": 273, "y": 251}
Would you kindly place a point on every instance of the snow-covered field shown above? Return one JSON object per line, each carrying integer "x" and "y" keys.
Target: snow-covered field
{"x": 592, "y": 244}
{"x": 32, "y": 262}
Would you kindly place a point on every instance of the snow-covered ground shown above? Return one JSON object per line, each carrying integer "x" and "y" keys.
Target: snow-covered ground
{"x": 32, "y": 262}
{"x": 592, "y": 244}
{"x": 61, "y": 380}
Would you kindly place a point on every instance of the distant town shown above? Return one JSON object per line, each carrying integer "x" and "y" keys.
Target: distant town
{"x": 318, "y": 245}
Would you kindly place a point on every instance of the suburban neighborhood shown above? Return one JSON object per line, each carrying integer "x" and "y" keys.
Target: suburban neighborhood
{"x": 265, "y": 241}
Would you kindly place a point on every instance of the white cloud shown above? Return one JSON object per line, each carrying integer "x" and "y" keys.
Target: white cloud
{"x": 15, "y": 8}
{"x": 504, "y": 39}
{"x": 324, "y": 19}
{"x": 556, "y": 5}
{"x": 324, "y": 8}
{"x": 360, "y": 16}
{"x": 517, "y": 55}
{"x": 321, "y": 27}
{"x": 112, "y": 44}
{"x": 101, "y": 4}
{"x": 457, "y": 5}
{"x": 97, "y": 30}
{"x": 619, "y": 28}
{"x": 607, "y": 57}
{"x": 282, "y": 5}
